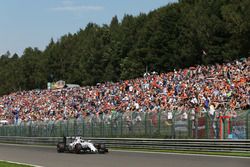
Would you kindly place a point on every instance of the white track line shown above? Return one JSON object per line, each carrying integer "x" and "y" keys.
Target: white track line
{"x": 197, "y": 155}
{"x": 18, "y": 163}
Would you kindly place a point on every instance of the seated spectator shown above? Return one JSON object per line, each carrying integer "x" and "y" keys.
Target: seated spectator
{"x": 213, "y": 89}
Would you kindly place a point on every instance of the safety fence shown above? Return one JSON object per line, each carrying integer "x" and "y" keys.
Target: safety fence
{"x": 168, "y": 125}
{"x": 217, "y": 145}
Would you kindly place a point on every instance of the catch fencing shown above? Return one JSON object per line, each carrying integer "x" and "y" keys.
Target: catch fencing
{"x": 168, "y": 125}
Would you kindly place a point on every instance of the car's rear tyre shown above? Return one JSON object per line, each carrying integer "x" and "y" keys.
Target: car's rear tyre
{"x": 102, "y": 149}
{"x": 60, "y": 147}
{"x": 78, "y": 148}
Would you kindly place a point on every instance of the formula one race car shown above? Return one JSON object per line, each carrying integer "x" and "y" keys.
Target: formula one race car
{"x": 79, "y": 145}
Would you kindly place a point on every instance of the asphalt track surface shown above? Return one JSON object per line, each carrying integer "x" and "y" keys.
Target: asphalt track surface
{"x": 48, "y": 157}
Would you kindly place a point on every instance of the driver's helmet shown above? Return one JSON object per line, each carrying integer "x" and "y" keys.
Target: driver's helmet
{"x": 78, "y": 139}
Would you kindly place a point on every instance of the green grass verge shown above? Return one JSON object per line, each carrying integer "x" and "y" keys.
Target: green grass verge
{"x": 240, "y": 154}
{"x": 7, "y": 164}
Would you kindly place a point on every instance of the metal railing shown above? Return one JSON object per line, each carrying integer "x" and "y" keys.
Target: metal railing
{"x": 174, "y": 125}
{"x": 144, "y": 143}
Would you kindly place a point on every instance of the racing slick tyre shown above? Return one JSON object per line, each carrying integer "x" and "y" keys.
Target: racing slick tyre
{"x": 102, "y": 149}
{"x": 78, "y": 148}
{"x": 60, "y": 147}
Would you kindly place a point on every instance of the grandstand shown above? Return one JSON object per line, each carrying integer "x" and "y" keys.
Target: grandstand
{"x": 215, "y": 91}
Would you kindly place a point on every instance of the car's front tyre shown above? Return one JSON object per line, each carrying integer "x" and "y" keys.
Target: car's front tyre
{"x": 60, "y": 147}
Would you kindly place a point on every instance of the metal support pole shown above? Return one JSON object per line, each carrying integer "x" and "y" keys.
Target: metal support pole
{"x": 247, "y": 125}
{"x": 92, "y": 129}
{"x": 207, "y": 126}
{"x": 83, "y": 128}
{"x": 189, "y": 123}
{"x": 159, "y": 123}
{"x": 75, "y": 133}
{"x": 173, "y": 125}
{"x": 121, "y": 124}
{"x": 67, "y": 127}
{"x": 145, "y": 123}
{"x": 30, "y": 130}
{"x": 111, "y": 125}
{"x": 60, "y": 127}
{"x": 196, "y": 126}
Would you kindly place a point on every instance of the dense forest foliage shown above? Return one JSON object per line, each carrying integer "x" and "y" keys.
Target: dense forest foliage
{"x": 177, "y": 35}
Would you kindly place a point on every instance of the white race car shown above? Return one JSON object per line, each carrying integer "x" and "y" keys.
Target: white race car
{"x": 79, "y": 145}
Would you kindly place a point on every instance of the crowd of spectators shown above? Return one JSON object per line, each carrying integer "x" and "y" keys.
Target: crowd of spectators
{"x": 215, "y": 89}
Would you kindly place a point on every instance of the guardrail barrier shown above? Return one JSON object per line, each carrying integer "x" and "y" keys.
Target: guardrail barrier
{"x": 134, "y": 143}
